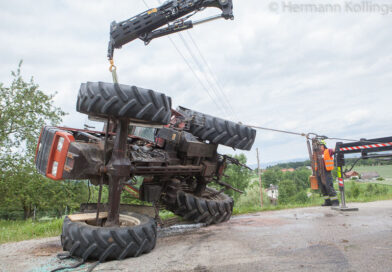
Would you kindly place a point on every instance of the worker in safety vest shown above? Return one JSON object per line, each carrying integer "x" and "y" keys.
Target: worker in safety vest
{"x": 329, "y": 193}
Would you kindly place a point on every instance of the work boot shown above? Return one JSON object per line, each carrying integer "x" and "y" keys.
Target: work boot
{"x": 335, "y": 202}
{"x": 327, "y": 202}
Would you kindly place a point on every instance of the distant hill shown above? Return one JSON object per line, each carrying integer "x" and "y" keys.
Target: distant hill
{"x": 293, "y": 163}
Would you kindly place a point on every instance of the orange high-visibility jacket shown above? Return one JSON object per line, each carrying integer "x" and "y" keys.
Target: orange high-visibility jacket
{"x": 328, "y": 160}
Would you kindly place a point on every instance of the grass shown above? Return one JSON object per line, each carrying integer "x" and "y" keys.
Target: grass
{"x": 19, "y": 230}
{"x": 365, "y": 192}
{"x": 384, "y": 171}
{"x": 13, "y": 231}
{"x": 355, "y": 192}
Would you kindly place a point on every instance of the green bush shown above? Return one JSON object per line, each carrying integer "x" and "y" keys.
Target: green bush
{"x": 251, "y": 197}
{"x": 380, "y": 189}
{"x": 301, "y": 198}
{"x": 291, "y": 193}
{"x": 287, "y": 190}
{"x": 367, "y": 192}
{"x": 355, "y": 191}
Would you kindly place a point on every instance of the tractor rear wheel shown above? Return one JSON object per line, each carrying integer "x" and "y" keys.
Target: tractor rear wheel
{"x": 219, "y": 131}
{"x": 211, "y": 207}
{"x": 102, "y": 99}
{"x": 136, "y": 234}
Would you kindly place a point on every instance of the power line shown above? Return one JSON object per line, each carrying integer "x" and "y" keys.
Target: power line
{"x": 222, "y": 109}
{"x": 203, "y": 71}
{"x": 225, "y": 108}
{"x": 195, "y": 74}
{"x": 219, "y": 86}
{"x": 213, "y": 76}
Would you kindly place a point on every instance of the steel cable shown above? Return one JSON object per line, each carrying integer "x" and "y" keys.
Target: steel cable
{"x": 311, "y": 133}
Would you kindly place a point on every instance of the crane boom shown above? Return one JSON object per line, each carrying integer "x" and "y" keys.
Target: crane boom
{"x": 145, "y": 25}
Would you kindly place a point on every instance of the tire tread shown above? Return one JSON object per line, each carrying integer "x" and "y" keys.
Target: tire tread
{"x": 219, "y": 131}
{"x": 202, "y": 210}
{"x": 101, "y": 243}
{"x": 123, "y": 101}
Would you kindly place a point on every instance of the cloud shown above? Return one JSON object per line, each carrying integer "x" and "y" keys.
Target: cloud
{"x": 304, "y": 72}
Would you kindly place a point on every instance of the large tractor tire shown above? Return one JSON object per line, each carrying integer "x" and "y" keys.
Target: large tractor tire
{"x": 219, "y": 131}
{"x": 102, "y": 99}
{"x": 136, "y": 235}
{"x": 210, "y": 208}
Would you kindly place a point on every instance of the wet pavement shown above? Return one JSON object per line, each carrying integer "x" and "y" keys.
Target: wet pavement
{"x": 306, "y": 239}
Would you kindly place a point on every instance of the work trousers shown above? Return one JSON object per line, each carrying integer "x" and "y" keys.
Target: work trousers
{"x": 327, "y": 190}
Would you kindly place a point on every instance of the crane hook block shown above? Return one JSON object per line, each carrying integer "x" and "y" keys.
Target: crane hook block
{"x": 141, "y": 25}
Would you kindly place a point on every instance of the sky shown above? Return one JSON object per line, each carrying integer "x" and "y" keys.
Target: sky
{"x": 303, "y": 66}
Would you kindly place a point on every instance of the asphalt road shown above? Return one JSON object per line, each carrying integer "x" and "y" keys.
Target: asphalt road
{"x": 307, "y": 239}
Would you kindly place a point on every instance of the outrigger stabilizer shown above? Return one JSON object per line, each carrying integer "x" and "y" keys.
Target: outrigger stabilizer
{"x": 175, "y": 14}
{"x": 369, "y": 148}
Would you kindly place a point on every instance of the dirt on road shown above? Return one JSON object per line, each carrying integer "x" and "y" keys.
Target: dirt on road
{"x": 306, "y": 239}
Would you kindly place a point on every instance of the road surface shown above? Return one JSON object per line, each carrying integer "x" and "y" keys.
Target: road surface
{"x": 306, "y": 239}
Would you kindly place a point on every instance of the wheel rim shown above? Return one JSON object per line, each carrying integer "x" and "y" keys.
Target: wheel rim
{"x": 126, "y": 220}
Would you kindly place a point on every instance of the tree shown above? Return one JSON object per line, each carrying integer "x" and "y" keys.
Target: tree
{"x": 272, "y": 176}
{"x": 24, "y": 109}
{"x": 287, "y": 190}
{"x": 237, "y": 176}
{"x": 301, "y": 178}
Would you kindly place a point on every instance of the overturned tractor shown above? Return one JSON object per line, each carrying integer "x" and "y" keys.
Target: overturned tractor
{"x": 175, "y": 151}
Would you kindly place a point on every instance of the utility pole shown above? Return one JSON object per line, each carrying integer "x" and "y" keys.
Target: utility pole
{"x": 259, "y": 173}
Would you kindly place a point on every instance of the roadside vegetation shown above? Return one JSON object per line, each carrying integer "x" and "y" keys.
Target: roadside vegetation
{"x": 18, "y": 230}
{"x": 355, "y": 192}
{"x": 294, "y": 191}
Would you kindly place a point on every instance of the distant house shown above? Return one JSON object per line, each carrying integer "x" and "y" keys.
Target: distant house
{"x": 351, "y": 174}
{"x": 369, "y": 175}
{"x": 272, "y": 193}
{"x": 287, "y": 170}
